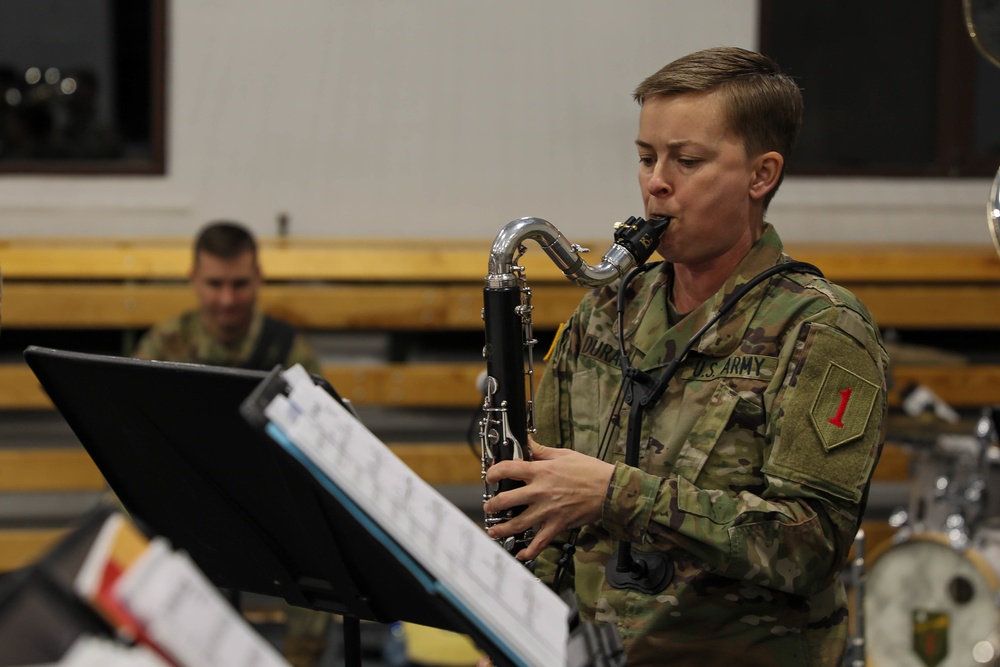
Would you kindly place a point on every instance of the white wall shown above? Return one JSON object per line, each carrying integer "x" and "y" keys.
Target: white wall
{"x": 438, "y": 118}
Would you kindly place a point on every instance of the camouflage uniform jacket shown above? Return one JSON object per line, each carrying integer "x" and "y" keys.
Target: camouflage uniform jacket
{"x": 754, "y": 464}
{"x": 186, "y": 339}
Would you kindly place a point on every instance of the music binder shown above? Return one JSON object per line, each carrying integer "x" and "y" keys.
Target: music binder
{"x": 109, "y": 593}
{"x": 172, "y": 444}
{"x": 40, "y": 615}
{"x": 497, "y": 599}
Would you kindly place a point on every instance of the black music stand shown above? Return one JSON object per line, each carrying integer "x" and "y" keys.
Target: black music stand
{"x": 171, "y": 443}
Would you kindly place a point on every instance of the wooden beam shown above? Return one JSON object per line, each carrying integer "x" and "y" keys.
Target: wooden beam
{"x": 84, "y": 306}
{"x": 350, "y": 260}
{"x": 21, "y": 547}
{"x": 450, "y": 260}
{"x": 966, "y": 386}
{"x": 48, "y": 470}
{"x": 93, "y": 259}
{"x": 901, "y": 262}
{"x": 408, "y": 307}
{"x": 313, "y": 306}
{"x": 20, "y": 390}
{"x": 932, "y": 306}
{"x": 63, "y": 469}
{"x": 453, "y": 384}
{"x": 437, "y": 464}
{"x": 441, "y": 463}
{"x": 58, "y": 469}
{"x": 445, "y": 385}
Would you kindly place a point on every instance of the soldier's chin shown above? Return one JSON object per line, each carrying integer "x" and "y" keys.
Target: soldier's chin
{"x": 231, "y": 328}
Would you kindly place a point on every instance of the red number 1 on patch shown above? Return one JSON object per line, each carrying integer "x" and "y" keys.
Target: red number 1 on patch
{"x": 845, "y": 395}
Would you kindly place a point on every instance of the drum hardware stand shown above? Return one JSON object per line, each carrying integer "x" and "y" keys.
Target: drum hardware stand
{"x": 955, "y": 474}
{"x": 917, "y": 399}
{"x": 855, "y": 655}
{"x": 988, "y": 430}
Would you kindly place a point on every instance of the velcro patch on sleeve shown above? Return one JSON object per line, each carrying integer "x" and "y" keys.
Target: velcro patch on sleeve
{"x": 842, "y": 407}
{"x": 830, "y": 414}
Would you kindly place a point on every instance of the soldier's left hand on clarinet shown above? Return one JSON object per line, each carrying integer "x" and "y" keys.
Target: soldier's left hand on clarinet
{"x": 563, "y": 489}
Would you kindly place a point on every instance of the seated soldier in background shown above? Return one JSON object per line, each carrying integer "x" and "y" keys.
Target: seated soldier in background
{"x": 228, "y": 329}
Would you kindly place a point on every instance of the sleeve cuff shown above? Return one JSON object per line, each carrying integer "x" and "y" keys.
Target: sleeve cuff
{"x": 629, "y": 503}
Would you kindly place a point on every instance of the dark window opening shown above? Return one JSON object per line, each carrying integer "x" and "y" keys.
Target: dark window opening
{"x": 894, "y": 88}
{"x": 82, "y": 86}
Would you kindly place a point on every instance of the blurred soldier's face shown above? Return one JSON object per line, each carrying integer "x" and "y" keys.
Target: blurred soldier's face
{"x": 227, "y": 291}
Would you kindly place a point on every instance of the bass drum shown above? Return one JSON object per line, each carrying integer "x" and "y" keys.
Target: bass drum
{"x": 927, "y": 604}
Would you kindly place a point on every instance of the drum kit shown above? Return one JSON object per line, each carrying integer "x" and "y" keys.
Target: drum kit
{"x": 930, "y": 597}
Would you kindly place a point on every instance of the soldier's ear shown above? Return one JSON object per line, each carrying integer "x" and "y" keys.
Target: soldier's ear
{"x": 766, "y": 170}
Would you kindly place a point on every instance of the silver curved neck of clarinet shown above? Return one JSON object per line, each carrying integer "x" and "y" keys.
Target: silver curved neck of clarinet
{"x": 567, "y": 256}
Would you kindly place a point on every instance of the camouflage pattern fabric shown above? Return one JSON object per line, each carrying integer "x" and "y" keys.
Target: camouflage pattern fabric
{"x": 753, "y": 470}
{"x": 185, "y": 338}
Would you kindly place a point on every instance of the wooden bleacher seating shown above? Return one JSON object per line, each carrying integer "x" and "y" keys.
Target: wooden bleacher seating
{"x": 60, "y": 469}
{"x": 426, "y": 286}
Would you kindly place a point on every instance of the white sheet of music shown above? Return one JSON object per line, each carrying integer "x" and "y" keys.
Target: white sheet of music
{"x": 89, "y": 651}
{"x": 186, "y": 616}
{"x": 521, "y": 612}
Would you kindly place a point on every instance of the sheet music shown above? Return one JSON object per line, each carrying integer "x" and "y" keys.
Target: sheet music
{"x": 186, "y": 616}
{"x": 522, "y": 612}
{"x": 90, "y": 651}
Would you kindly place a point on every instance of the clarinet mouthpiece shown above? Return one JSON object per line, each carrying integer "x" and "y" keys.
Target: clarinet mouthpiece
{"x": 640, "y": 237}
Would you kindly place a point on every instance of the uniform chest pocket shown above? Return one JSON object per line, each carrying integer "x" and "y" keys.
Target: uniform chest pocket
{"x": 591, "y": 397}
{"x": 724, "y": 449}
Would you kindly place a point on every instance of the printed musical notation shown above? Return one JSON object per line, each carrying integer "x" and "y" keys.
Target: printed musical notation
{"x": 187, "y": 616}
{"x": 502, "y": 595}
{"x": 158, "y": 598}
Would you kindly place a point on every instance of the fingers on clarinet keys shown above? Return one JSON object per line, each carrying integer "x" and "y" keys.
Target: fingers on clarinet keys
{"x": 515, "y": 544}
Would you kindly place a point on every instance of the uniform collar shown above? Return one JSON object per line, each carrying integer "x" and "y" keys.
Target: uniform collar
{"x": 657, "y": 345}
{"x": 209, "y": 348}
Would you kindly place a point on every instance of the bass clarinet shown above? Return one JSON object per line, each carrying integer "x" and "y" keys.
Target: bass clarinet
{"x": 507, "y": 405}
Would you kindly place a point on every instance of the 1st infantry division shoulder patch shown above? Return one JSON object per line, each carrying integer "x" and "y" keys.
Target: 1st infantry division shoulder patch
{"x": 842, "y": 407}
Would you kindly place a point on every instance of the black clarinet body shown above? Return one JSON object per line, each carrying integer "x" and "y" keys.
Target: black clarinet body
{"x": 509, "y": 389}
{"x": 506, "y": 422}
